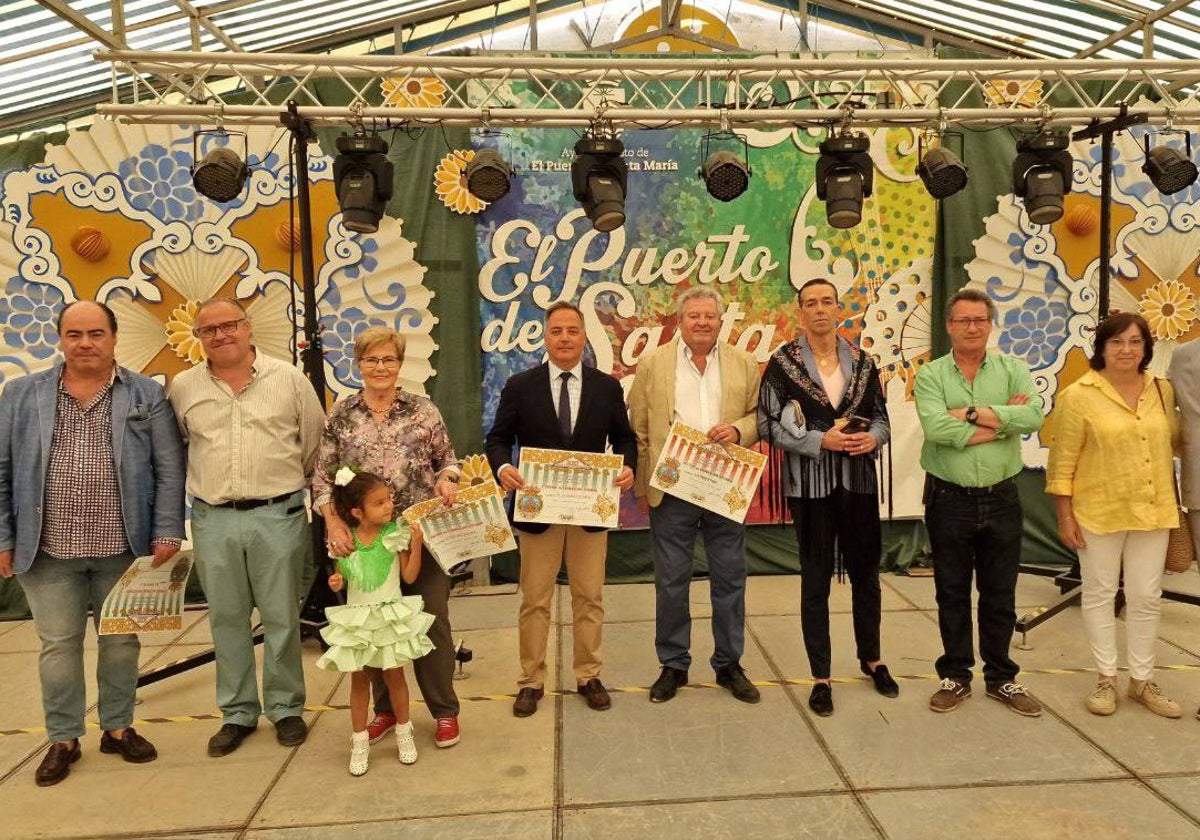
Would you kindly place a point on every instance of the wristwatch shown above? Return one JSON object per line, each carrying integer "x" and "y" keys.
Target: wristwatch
{"x": 972, "y": 415}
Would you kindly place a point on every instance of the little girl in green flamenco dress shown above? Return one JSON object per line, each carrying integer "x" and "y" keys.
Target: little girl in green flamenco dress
{"x": 378, "y": 628}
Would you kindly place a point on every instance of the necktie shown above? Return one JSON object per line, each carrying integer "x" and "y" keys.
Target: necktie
{"x": 564, "y": 406}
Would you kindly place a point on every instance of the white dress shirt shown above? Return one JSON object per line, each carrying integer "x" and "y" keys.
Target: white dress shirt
{"x": 697, "y": 395}
{"x": 574, "y": 387}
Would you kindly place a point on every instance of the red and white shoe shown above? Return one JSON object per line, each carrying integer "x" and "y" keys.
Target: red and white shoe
{"x": 447, "y": 732}
{"x": 380, "y": 726}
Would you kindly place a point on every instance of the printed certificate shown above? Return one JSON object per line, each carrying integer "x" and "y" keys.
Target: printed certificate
{"x": 568, "y": 488}
{"x": 474, "y": 527}
{"x": 147, "y": 599}
{"x": 720, "y": 477}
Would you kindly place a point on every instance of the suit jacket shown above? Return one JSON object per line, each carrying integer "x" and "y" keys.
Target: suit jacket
{"x": 652, "y": 404}
{"x": 527, "y": 416}
{"x": 147, "y": 449}
{"x": 1185, "y": 378}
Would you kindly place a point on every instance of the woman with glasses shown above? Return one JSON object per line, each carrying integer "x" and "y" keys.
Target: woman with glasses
{"x": 1112, "y": 474}
{"x": 400, "y": 436}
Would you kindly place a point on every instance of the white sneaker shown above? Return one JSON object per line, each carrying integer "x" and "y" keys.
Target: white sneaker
{"x": 1102, "y": 701}
{"x": 405, "y": 744}
{"x": 1151, "y": 696}
{"x": 360, "y": 752}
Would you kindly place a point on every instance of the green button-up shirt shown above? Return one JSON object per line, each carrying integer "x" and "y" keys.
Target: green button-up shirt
{"x": 941, "y": 386}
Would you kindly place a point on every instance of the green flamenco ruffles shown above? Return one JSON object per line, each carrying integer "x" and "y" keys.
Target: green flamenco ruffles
{"x": 387, "y": 635}
{"x": 367, "y": 567}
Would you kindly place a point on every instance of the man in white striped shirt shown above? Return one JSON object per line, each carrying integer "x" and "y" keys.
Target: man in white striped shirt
{"x": 252, "y": 424}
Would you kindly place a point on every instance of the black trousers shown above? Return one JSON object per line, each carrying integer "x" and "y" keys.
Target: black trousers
{"x": 847, "y": 525}
{"x": 977, "y": 535}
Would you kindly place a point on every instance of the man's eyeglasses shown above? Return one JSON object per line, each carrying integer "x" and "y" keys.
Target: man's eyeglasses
{"x": 225, "y": 328}
{"x": 970, "y": 322}
{"x": 379, "y": 361}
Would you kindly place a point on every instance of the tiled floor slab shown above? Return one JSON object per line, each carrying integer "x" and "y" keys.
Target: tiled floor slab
{"x": 817, "y": 817}
{"x": 529, "y": 825}
{"x": 16, "y": 748}
{"x": 1184, "y": 791}
{"x": 485, "y": 608}
{"x": 494, "y": 667}
{"x": 1121, "y": 810}
{"x": 501, "y": 762}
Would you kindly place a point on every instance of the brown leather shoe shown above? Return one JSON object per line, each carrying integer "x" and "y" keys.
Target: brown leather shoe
{"x": 527, "y": 700}
{"x": 56, "y": 766}
{"x": 131, "y": 746}
{"x": 595, "y": 695}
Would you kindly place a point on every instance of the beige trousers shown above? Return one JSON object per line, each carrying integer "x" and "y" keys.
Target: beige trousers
{"x": 542, "y": 556}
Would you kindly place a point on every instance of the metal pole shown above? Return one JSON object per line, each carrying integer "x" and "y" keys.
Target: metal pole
{"x": 1106, "y": 147}
{"x": 313, "y": 355}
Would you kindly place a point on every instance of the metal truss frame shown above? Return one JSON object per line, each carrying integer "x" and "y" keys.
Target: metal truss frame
{"x": 579, "y": 92}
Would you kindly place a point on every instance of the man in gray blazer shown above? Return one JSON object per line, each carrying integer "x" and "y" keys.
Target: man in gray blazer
{"x": 1185, "y": 377}
{"x": 91, "y": 476}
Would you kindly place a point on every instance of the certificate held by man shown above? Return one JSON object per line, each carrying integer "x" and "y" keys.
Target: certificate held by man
{"x": 572, "y": 488}
{"x": 720, "y": 477}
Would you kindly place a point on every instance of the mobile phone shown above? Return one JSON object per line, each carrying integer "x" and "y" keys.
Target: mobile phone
{"x": 855, "y": 424}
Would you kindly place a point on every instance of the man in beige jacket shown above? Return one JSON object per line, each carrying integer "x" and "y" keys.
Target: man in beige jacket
{"x": 713, "y": 387}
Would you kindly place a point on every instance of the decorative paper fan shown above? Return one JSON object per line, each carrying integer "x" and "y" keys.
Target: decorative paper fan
{"x": 451, "y": 185}
{"x": 475, "y": 470}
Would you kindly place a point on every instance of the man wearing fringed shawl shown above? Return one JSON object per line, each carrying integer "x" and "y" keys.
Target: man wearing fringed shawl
{"x": 822, "y": 403}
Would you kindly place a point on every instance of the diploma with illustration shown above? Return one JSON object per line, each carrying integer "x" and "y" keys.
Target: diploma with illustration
{"x": 147, "y": 599}
{"x": 575, "y": 488}
{"x": 721, "y": 477}
{"x": 475, "y": 526}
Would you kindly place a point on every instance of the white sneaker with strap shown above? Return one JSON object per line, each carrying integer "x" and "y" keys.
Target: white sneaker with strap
{"x": 360, "y": 753}
{"x": 405, "y": 745}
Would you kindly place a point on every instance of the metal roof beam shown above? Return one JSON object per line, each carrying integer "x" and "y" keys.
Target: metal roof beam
{"x": 1121, "y": 34}
{"x": 83, "y": 23}
{"x": 202, "y": 18}
{"x": 866, "y": 12}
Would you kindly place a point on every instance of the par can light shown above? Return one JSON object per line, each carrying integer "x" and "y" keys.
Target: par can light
{"x": 488, "y": 176}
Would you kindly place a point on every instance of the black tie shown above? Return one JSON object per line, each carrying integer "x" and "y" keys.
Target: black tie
{"x": 564, "y": 407}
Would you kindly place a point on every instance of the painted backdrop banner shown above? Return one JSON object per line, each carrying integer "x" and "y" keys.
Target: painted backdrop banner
{"x": 536, "y": 247}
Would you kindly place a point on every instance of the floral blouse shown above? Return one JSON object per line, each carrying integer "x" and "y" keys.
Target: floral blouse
{"x": 409, "y": 447}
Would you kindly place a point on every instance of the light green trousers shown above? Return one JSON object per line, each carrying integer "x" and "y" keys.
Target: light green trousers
{"x": 251, "y": 559}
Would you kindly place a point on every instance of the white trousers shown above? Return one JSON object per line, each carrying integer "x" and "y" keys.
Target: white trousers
{"x": 1141, "y": 554}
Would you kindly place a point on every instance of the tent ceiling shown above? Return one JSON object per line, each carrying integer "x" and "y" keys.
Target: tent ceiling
{"x": 46, "y": 46}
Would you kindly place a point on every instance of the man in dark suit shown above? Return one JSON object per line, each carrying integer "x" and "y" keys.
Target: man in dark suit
{"x": 561, "y": 405}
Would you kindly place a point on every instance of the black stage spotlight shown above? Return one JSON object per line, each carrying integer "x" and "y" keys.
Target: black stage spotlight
{"x": 362, "y": 175}
{"x": 942, "y": 173}
{"x": 599, "y": 177}
{"x": 1042, "y": 175}
{"x": 488, "y": 176}
{"x": 1168, "y": 168}
{"x": 222, "y": 174}
{"x": 845, "y": 176}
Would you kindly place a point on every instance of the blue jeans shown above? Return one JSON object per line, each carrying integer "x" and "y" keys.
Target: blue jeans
{"x": 59, "y": 593}
{"x": 674, "y": 525}
{"x": 981, "y": 536}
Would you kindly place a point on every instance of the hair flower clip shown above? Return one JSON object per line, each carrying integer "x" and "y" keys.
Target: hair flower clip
{"x": 344, "y": 476}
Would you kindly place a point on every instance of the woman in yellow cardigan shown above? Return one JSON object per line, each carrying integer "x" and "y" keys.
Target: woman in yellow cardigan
{"x": 1112, "y": 474}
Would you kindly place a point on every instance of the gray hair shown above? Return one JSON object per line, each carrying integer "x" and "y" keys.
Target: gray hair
{"x": 697, "y": 293}
{"x": 974, "y": 296}
{"x": 236, "y": 304}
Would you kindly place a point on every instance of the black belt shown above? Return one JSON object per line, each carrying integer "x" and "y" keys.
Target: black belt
{"x": 972, "y": 491}
{"x": 251, "y": 504}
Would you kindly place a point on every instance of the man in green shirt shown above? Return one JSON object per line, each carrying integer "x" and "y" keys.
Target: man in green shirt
{"x": 974, "y": 406}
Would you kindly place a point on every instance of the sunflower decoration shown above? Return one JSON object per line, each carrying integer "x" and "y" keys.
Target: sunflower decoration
{"x": 1010, "y": 93}
{"x": 413, "y": 92}
{"x": 451, "y": 183}
{"x": 475, "y": 470}
{"x": 179, "y": 333}
{"x": 1170, "y": 308}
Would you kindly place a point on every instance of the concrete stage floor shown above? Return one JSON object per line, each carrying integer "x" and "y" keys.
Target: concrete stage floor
{"x": 702, "y": 765}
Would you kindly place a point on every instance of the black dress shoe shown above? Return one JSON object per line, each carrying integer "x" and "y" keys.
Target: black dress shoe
{"x": 884, "y": 683}
{"x": 527, "y": 700}
{"x": 667, "y": 684}
{"x": 291, "y": 731}
{"x": 56, "y": 766}
{"x": 821, "y": 699}
{"x": 594, "y": 693}
{"x": 228, "y": 738}
{"x": 131, "y": 746}
{"x": 734, "y": 678}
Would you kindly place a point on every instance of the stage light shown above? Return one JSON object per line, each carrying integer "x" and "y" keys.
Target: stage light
{"x": 1042, "y": 175}
{"x": 726, "y": 176}
{"x": 1169, "y": 169}
{"x": 845, "y": 176}
{"x": 362, "y": 176}
{"x": 599, "y": 179}
{"x": 942, "y": 173}
{"x": 222, "y": 174}
{"x": 488, "y": 176}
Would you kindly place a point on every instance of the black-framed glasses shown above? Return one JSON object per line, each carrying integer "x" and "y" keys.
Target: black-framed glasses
{"x": 225, "y": 328}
